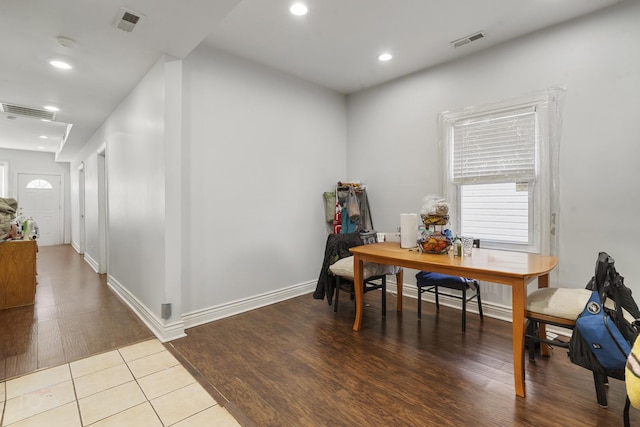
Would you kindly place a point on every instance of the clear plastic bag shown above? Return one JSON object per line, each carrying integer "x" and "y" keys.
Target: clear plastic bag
{"x": 353, "y": 207}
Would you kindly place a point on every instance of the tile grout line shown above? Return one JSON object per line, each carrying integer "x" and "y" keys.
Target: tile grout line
{"x": 75, "y": 393}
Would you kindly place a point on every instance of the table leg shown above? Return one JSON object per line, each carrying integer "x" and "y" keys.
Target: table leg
{"x": 358, "y": 287}
{"x": 518, "y": 302}
{"x": 399, "y": 283}
{"x": 543, "y": 282}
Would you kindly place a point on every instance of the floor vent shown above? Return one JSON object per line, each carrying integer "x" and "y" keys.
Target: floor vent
{"x": 19, "y": 110}
{"x": 468, "y": 39}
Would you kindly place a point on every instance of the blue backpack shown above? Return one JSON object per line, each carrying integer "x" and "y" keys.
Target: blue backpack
{"x": 603, "y": 336}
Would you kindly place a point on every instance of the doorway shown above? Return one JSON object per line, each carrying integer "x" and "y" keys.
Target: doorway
{"x": 40, "y": 197}
{"x": 103, "y": 219}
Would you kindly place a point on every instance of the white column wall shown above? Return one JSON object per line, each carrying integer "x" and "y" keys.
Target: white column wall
{"x": 135, "y": 164}
{"x": 134, "y": 136}
{"x": 392, "y": 134}
{"x": 262, "y": 147}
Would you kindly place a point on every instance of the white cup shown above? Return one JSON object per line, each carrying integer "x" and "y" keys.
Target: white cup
{"x": 467, "y": 246}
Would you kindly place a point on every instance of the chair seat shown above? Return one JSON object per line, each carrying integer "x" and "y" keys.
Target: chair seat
{"x": 374, "y": 277}
{"x": 428, "y": 281}
{"x": 344, "y": 268}
{"x": 427, "y": 278}
{"x": 565, "y": 303}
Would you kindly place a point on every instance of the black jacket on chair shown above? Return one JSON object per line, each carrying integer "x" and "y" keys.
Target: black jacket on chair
{"x": 337, "y": 247}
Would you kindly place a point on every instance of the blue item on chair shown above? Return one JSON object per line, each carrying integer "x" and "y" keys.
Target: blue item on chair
{"x": 429, "y": 282}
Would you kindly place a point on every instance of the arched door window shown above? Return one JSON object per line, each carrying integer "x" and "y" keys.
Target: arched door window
{"x": 40, "y": 184}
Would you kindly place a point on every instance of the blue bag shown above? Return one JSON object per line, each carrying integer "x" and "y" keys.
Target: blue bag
{"x": 602, "y": 335}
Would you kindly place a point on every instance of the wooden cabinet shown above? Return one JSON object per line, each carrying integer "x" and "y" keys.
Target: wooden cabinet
{"x": 17, "y": 273}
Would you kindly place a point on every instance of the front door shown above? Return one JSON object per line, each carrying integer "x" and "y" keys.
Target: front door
{"x": 39, "y": 198}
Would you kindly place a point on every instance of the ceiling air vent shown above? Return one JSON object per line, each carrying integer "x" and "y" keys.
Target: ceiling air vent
{"x": 19, "y": 110}
{"x": 468, "y": 39}
{"x": 126, "y": 20}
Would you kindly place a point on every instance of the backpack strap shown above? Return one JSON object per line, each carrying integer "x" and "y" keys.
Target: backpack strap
{"x": 625, "y": 412}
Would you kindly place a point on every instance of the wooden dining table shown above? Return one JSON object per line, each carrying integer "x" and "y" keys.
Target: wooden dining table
{"x": 515, "y": 269}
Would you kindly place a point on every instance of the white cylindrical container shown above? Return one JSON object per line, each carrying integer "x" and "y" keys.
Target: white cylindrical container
{"x": 408, "y": 230}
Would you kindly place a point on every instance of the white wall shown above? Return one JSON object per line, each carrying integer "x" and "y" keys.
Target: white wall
{"x": 37, "y": 162}
{"x": 392, "y": 134}
{"x": 261, "y": 148}
{"x": 135, "y": 166}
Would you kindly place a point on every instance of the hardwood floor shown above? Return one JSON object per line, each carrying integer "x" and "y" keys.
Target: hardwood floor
{"x": 297, "y": 363}
{"x": 75, "y": 315}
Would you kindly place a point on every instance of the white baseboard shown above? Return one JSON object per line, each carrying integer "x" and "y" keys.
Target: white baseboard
{"x": 163, "y": 331}
{"x": 92, "y": 262}
{"x": 210, "y": 314}
{"x": 170, "y": 331}
{"x": 76, "y": 247}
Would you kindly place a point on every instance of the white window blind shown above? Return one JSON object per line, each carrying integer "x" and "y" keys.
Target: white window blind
{"x": 496, "y": 212}
{"x": 497, "y": 147}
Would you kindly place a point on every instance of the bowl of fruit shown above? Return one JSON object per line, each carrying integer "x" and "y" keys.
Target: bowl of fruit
{"x": 435, "y": 243}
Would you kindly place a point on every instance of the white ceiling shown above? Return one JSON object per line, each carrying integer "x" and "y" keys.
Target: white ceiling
{"x": 335, "y": 45}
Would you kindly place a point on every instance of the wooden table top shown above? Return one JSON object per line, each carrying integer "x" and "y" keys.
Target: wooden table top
{"x": 505, "y": 267}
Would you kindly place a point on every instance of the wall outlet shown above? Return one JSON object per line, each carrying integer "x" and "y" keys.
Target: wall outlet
{"x": 165, "y": 310}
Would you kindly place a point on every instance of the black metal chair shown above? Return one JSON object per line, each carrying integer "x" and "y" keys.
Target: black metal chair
{"x": 375, "y": 277}
{"x": 430, "y": 282}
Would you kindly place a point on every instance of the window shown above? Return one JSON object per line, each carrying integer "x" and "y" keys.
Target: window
{"x": 40, "y": 184}
{"x": 4, "y": 168}
{"x": 501, "y": 170}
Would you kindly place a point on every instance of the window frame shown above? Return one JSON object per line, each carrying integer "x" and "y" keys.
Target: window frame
{"x": 4, "y": 176}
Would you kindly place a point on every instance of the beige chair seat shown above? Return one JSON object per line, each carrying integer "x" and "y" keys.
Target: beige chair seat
{"x": 374, "y": 277}
{"x": 344, "y": 268}
{"x": 565, "y": 303}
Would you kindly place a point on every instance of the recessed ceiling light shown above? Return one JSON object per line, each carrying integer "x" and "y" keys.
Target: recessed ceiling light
{"x": 44, "y": 137}
{"x": 51, "y": 108}
{"x": 41, "y": 148}
{"x": 60, "y": 64}
{"x": 384, "y": 57}
{"x": 299, "y": 9}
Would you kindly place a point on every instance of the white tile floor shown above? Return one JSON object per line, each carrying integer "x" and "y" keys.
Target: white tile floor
{"x": 140, "y": 385}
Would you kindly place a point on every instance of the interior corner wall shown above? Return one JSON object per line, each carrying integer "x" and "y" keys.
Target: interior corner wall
{"x": 262, "y": 147}
{"x": 38, "y": 162}
{"x": 392, "y": 134}
{"x": 134, "y": 139}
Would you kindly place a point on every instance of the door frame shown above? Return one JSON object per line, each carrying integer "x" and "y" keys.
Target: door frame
{"x": 103, "y": 209}
{"x": 16, "y": 180}
{"x": 82, "y": 231}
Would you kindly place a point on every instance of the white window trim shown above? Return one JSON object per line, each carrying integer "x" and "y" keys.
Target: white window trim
{"x": 548, "y": 104}
{"x": 4, "y": 170}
